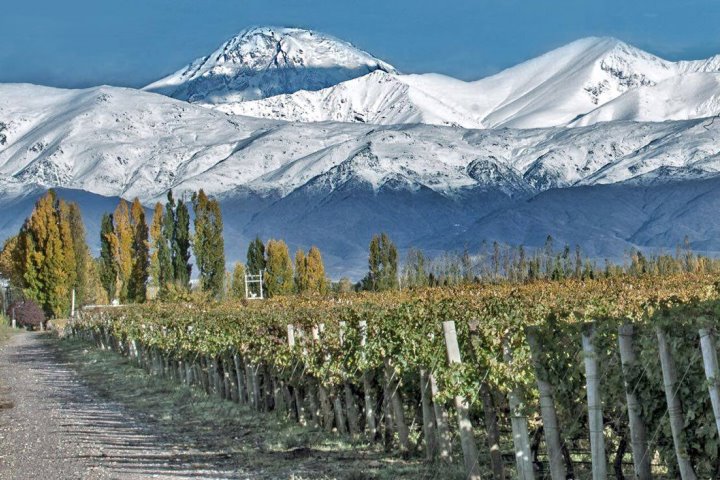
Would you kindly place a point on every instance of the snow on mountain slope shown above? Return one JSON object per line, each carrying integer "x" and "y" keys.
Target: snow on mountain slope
{"x": 682, "y": 97}
{"x": 121, "y": 142}
{"x": 379, "y": 98}
{"x": 266, "y": 61}
{"x": 554, "y": 89}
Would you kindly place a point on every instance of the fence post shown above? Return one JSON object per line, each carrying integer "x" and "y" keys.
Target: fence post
{"x": 350, "y": 405}
{"x": 370, "y": 424}
{"x": 518, "y": 421}
{"x": 594, "y": 403}
{"x": 429, "y": 425}
{"x": 710, "y": 361}
{"x": 467, "y": 439}
{"x": 638, "y": 431}
{"x": 323, "y": 395}
{"x": 669, "y": 372}
{"x": 395, "y": 403}
{"x": 547, "y": 409}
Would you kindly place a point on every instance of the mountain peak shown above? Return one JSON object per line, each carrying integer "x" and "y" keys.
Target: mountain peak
{"x": 265, "y": 61}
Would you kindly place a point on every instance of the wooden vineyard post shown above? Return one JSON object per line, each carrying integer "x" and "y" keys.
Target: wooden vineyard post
{"x": 518, "y": 421}
{"x": 297, "y": 398}
{"x": 442, "y": 421}
{"x": 467, "y": 439}
{"x": 352, "y": 411}
{"x": 493, "y": 432}
{"x": 392, "y": 386}
{"x": 638, "y": 431}
{"x": 242, "y": 391}
{"x": 710, "y": 361}
{"x": 594, "y": 403}
{"x": 547, "y": 409}
{"x": 670, "y": 381}
{"x": 369, "y": 397}
{"x": 325, "y": 406}
{"x": 429, "y": 426}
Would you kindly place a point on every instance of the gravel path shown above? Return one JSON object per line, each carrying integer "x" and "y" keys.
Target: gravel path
{"x": 52, "y": 426}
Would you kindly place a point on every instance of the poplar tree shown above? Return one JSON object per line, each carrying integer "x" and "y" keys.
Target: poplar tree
{"x": 317, "y": 283}
{"x": 255, "y": 261}
{"x": 124, "y": 253}
{"x": 301, "y": 272}
{"x": 108, "y": 266}
{"x": 47, "y": 280}
{"x": 181, "y": 246}
{"x": 237, "y": 286}
{"x": 208, "y": 243}
{"x": 382, "y": 264}
{"x": 156, "y": 242}
{"x": 165, "y": 259}
{"x": 137, "y": 282}
{"x": 278, "y": 269}
{"x": 83, "y": 259}
{"x": 11, "y": 262}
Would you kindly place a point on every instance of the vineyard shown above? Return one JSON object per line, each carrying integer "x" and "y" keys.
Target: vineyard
{"x": 612, "y": 378}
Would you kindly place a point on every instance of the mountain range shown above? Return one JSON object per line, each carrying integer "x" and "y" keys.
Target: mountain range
{"x": 305, "y": 137}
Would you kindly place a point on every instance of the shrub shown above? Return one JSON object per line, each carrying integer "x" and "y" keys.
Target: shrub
{"x": 27, "y": 314}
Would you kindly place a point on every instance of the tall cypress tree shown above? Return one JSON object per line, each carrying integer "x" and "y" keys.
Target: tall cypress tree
{"x": 208, "y": 243}
{"x": 255, "y": 261}
{"x": 382, "y": 264}
{"x": 181, "y": 246}
{"x": 156, "y": 239}
{"x": 82, "y": 255}
{"x": 166, "y": 259}
{"x": 108, "y": 267}
{"x": 137, "y": 283}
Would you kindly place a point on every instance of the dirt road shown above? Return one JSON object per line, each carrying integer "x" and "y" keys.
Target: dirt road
{"x": 54, "y": 427}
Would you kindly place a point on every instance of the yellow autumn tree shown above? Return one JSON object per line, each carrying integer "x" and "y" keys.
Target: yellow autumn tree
{"x": 316, "y": 281}
{"x": 156, "y": 237}
{"x": 301, "y": 278}
{"x": 47, "y": 280}
{"x": 123, "y": 253}
{"x": 278, "y": 269}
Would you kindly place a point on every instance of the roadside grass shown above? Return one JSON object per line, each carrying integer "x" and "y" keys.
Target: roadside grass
{"x": 264, "y": 445}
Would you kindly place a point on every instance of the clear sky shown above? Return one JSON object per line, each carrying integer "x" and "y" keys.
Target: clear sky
{"x": 76, "y": 43}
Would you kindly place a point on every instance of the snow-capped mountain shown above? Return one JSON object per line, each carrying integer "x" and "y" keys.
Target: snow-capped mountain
{"x": 264, "y": 61}
{"x": 601, "y": 144}
{"x": 551, "y": 90}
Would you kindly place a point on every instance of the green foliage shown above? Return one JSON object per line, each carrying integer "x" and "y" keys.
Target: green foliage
{"x": 208, "y": 244}
{"x": 255, "y": 261}
{"x": 382, "y": 262}
{"x": 137, "y": 283}
{"x": 108, "y": 267}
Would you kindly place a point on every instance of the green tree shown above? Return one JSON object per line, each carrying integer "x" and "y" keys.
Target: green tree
{"x": 108, "y": 266}
{"x": 137, "y": 283}
{"x": 208, "y": 243}
{"x": 382, "y": 263}
{"x": 278, "y": 270}
{"x": 255, "y": 261}
{"x": 181, "y": 246}
{"x": 82, "y": 255}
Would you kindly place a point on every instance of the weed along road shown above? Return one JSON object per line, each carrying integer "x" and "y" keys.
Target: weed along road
{"x": 70, "y": 411}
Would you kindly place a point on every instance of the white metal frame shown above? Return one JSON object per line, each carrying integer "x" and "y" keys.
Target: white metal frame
{"x": 251, "y": 280}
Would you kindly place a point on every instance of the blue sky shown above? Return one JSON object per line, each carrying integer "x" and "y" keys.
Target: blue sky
{"x": 75, "y": 43}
